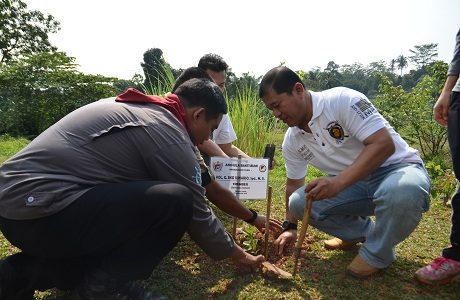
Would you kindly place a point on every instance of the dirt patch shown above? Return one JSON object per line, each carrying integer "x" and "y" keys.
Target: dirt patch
{"x": 272, "y": 255}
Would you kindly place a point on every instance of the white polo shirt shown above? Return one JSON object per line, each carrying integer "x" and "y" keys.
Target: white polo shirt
{"x": 224, "y": 133}
{"x": 342, "y": 119}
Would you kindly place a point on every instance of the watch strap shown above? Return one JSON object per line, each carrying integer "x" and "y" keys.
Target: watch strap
{"x": 253, "y": 218}
{"x": 288, "y": 226}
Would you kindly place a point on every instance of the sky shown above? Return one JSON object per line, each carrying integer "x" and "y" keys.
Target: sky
{"x": 253, "y": 36}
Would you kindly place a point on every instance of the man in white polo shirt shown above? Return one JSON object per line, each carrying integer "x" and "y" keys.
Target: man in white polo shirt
{"x": 224, "y": 135}
{"x": 370, "y": 170}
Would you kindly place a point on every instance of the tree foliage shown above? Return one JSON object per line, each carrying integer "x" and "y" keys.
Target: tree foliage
{"x": 355, "y": 76}
{"x": 423, "y": 55}
{"x": 37, "y": 90}
{"x": 122, "y": 85}
{"x": 423, "y": 129}
{"x": 390, "y": 101}
{"x": 331, "y": 76}
{"x": 158, "y": 73}
{"x": 234, "y": 84}
{"x": 410, "y": 113}
{"x": 23, "y": 31}
{"x": 402, "y": 63}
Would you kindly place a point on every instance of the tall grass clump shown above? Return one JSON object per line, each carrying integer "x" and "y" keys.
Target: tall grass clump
{"x": 254, "y": 125}
{"x": 164, "y": 83}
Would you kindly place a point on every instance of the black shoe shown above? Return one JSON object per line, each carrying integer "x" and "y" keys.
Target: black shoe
{"x": 12, "y": 287}
{"x": 136, "y": 292}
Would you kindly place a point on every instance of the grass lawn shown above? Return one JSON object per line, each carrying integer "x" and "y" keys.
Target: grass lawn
{"x": 187, "y": 273}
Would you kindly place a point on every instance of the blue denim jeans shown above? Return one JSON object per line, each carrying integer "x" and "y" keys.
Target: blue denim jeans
{"x": 396, "y": 195}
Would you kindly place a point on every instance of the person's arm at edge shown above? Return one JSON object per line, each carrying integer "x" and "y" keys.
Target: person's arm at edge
{"x": 210, "y": 148}
{"x": 225, "y": 135}
{"x": 377, "y": 148}
{"x": 175, "y": 163}
{"x": 289, "y": 236}
{"x": 221, "y": 197}
{"x": 226, "y": 201}
{"x": 441, "y": 107}
{"x": 291, "y": 186}
{"x": 232, "y": 150}
{"x": 244, "y": 260}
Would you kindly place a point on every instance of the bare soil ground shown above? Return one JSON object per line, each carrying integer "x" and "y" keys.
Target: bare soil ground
{"x": 271, "y": 254}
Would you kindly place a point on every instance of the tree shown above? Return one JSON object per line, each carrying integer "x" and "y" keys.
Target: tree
{"x": 410, "y": 113}
{"x": 236, "y": 84}
{"x": 355, "y": 77}
{"x": 121, "y": 85}
{"x": 311, "y": 79}
{"x": 392, "y": 65}
{"x": 390, "y": 101}
{"x": 377, "y": 67}
{"x": 411, "y": 78}
{"x": 402, "y": 63}
{"x": 37, "y": 90}
{"x": 373, "y": 70}
{"x": 423, "y": 129}
{"x": 158, "y": 74}
{"x": 330, "y": 77}
{"x": 22, "y": 31}
{"x": 423, "y": 55}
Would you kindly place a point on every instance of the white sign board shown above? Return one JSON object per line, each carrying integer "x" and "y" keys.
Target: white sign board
{"x": 247, "y": 178}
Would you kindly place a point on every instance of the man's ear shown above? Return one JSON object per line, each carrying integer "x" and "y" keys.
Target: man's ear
{"x": 298, "y": 88}
{"x": 198, "y": 112}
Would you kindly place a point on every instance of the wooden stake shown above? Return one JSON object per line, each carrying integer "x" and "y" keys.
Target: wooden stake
{"x": 235, "y": 221}
{"x": 277, "y": 271}
{"x": 303, "y": 231}
{"x": 267, "y": 221}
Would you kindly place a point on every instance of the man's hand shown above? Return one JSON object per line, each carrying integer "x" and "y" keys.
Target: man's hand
{"x": 272, "y": 164}
{"x": 245, "y": 261}
{"x": 274, "y": 225}
{"x": 323, "y": 188}
{"x": 441, "y": 108}
{"x": 285, "y": 239}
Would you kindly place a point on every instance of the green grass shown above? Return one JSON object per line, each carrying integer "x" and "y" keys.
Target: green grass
{"x": 254, "y": 124}
{"x": 9, "y": 146}
{"x": 187, "y": 273}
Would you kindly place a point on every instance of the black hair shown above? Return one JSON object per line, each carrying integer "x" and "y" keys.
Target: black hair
{"x": 212, "y": 62}
{"x": 189, "y": 73}
{"x": 204, "y": 93}
{"x": 280, "y": 79}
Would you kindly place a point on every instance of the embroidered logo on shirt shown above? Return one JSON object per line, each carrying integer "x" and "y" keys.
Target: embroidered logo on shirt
{"x": 363, "y": 108}
{"x": 197, "y": 176}
{"x": 305, "y": 153}
{"x": 336, "y": 131}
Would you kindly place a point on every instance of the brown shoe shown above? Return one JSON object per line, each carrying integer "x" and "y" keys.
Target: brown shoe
{"x": 359, "y": 268}
{"x": 338, "y": 244}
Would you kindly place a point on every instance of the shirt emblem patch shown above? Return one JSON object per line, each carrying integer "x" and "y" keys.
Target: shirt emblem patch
{"x": 336, "y": 131}
{"x": 305, "y": 153}
{"x": 363, "y": 108}
{"x": 197, "y": 176}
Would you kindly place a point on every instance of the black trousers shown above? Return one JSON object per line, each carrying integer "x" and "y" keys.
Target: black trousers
{"x": 123, "y": 229}
{"x": 453, "y": 129}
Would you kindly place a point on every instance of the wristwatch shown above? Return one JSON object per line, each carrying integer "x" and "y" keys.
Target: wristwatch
{"x": 253, "y": 218}
{"x": 288, "y": 226}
